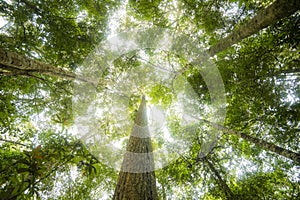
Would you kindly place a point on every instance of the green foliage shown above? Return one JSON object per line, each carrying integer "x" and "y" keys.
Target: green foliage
{"x": 27, "y": 170}
{"x": 199, "y": 86}
{"x": 126, "y": 62}
{"x": 47, "y": 30}
{"x": 148, "y": 11}
{"x": 262, "y": 68}
{"x": 199, "y": 11}
{"x": 269, "y": 185}
{"x": 161, "y": 95}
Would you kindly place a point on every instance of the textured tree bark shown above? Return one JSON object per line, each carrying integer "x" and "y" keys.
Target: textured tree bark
{"x": 261, "y": 143}
{"x": 13, "y": 64}
{"x": 229, "y": 194}
{"x": 137, "y": 178}
{"x": 264, "y": 18}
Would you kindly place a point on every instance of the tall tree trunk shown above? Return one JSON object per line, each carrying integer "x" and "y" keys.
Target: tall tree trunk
{"x": 259, "y": 142}
{"x": 137, "y": 178}
{"x": 264, "y": 18}
{"x": 229, "y": 194}
{"x": 13, "y": 64}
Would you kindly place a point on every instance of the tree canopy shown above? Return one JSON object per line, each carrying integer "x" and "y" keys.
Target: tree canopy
{"x": 221, "y": 79}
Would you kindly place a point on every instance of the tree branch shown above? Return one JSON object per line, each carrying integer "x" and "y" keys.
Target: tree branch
{"x": 264, "y": 18}
{"x": 229, "y": 194}
{"x": 259, "y": 142}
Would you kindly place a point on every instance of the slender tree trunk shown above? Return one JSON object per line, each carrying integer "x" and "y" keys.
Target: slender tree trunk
{"x": 259, "y": 142}
{"x": 13, "y": 64}
{"x": 264, "y": 18}
{"x": 137, "y": 178}
{"x": 229, "y": 194}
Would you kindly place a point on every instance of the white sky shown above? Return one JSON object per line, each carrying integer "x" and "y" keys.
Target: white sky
{"x": 2, "y": 22}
